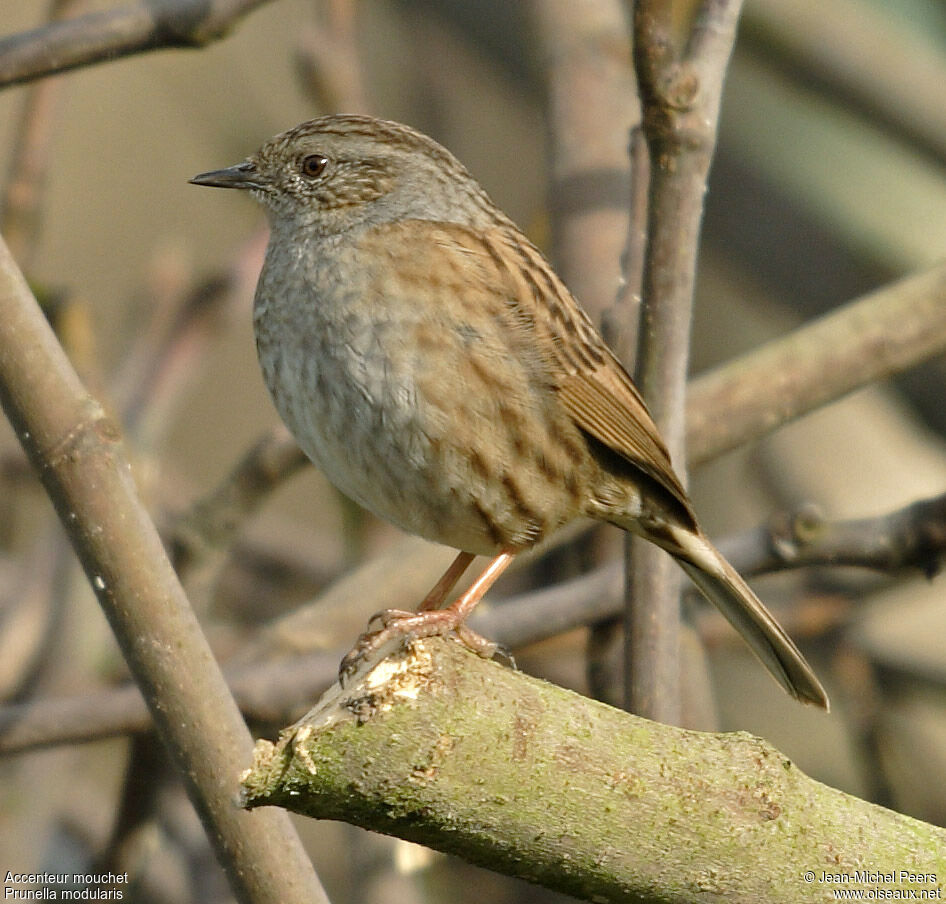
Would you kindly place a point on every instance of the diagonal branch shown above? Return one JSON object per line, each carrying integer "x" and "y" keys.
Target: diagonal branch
{"x": 861, "y": 342}
{"x": 76, "y": 449}
{"x": 201, "y": 539}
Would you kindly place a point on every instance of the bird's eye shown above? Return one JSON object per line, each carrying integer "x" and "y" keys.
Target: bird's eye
{"x": 313, "y": 165}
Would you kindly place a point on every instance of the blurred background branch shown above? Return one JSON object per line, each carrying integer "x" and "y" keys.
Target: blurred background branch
{"x": 866, "y": 340}
{"x": 103, "y": 36}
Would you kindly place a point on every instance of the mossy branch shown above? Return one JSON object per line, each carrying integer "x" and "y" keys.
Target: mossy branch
{"x": 439, "y": 747}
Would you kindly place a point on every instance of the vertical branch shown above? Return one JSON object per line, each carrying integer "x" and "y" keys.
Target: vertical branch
{"x": 592, "y": 105}
{"x": 680, "y": 97}
{"x": 619, "y": 324}
{"x": 77, "y": 452}
{"x": 327, "y": 60}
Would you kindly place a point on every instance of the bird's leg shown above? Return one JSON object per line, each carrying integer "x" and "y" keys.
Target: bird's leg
{"x": 434, "y": 599}
{"x": 431, "y": 621}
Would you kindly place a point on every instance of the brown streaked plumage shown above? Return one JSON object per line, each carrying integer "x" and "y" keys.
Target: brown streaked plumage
{"x": 429, "y": 360}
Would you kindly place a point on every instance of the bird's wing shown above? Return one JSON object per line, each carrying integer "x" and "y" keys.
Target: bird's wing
{"x": 589, "y": 380}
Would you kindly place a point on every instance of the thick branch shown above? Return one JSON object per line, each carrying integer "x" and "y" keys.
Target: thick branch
{"x": 111, "y": 34}
{"x": 76, "y": 450}
{"x": 443, "y": 748}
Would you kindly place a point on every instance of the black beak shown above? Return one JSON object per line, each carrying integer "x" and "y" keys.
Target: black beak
{"x": 243, "y": 175}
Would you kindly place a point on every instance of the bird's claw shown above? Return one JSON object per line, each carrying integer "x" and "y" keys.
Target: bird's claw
{"x": 397, "y": 625}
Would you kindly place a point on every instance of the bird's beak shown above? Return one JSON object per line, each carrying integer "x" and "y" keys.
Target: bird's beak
{"x": 243, "y": 175}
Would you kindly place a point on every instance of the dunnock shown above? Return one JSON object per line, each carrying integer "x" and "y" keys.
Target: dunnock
{"x": 427, "y": 358}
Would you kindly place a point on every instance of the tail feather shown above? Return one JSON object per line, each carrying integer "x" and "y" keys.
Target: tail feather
{"x": 722, "y": 585}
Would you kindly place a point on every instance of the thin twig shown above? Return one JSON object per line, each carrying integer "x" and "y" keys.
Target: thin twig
{"x": 161, "y": 365}
{"x": 109, "y": 35}
{"x": 77, "y": 452}
{"x": 911, "y": 538}
{"x": 620, "y": 322}
{"x": 40, "y": 598}
{"x": 201, "y": 539}
{"x": 147, "y": 776}
{"x": 32, "y": 607}
{"x": 22, "y": 200}
{"x": 182, "y": 318}
{"x": 680, "y": 97}
{"x": 620, "y": 325}
{"x": 599, "y": 209}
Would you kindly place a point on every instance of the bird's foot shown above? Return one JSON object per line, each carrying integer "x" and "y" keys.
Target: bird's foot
{"x": 399, "y": 628}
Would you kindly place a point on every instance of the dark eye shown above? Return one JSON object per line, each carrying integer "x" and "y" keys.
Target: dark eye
{"x": 313, "y": 165}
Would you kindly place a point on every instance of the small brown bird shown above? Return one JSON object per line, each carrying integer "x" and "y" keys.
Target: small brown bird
{"x": 427, "y": 358}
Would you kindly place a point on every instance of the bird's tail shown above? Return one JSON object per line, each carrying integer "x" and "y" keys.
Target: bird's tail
{"x": 722, "y": 585}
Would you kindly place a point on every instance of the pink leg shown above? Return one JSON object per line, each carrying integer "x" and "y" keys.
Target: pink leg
{"x": 430, "y": 622}
{"x": 434, "y": 599}
{"x": 463, "y": 606}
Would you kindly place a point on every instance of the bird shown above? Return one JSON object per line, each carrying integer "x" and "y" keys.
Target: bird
{"x": 428, "y": 359}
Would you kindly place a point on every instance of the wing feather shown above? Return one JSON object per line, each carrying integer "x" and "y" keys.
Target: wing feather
{"x": 622, "y": 423}
{"x": 589, "y": 381}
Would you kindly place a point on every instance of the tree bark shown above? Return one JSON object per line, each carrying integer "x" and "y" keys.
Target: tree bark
{"x": 440, "y": 747}
{"x": 76, "y": 450}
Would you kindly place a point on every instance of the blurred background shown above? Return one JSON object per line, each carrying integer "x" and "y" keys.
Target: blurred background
{"x": 828, "y": 182}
